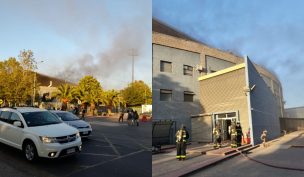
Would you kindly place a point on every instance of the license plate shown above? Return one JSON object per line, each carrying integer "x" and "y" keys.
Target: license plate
{"x": 85, "y": 133}
{"x": 69, "y": 151}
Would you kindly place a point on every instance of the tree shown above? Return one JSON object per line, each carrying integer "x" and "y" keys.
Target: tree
{"x": 15, "y": 82}
{"x": 89, "y": 91}
{"x": 111, "y": 99}
{"x": 137, "y": 93}
{"x": 66, "y": 93}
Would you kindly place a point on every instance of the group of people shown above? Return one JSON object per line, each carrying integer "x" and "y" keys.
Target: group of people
{"x": 131, "y": 116}
{"x": 235, "y": 131}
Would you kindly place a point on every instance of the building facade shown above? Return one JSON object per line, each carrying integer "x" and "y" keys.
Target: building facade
{"x": 178, "y": 94}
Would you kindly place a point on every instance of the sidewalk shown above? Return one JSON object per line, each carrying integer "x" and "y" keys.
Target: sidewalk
{"x": 286, "y": 152}
{"x": 166, "y": 165}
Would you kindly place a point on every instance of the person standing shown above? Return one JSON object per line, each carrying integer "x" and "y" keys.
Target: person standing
{"x": 263, "y": 138}
{"x": 182, "y": 136}
{"x": 121, "y": 116}
{"x": 217, "y": 137}
{"x": 233, "y": 135}
{"x": 136, "y": 117}
{"x": 239, "y": 134}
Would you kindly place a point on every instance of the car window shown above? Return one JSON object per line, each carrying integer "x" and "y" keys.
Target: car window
{"x": 4, "y": 116}
{"x": 14, "y": 117}
{"x": 67, "y": 116}
{"x": 33, "y": 119}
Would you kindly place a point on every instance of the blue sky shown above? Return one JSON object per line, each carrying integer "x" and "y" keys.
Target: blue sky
{"x": 76, "y": 37}
{"x": 271, "y": 33}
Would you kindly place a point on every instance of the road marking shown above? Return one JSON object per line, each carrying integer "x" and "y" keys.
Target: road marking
{"x": 113, "y": 147}
{"x": 102, "y": 163}
{"x": 141, "y": 145}
{"x": 108, "y": 124}
{"x": 94, "y": 154}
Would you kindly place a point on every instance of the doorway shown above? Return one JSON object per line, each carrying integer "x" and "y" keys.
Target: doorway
{"x": 224, "y": 120}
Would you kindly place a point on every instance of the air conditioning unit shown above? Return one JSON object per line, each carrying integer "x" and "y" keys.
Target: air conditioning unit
{"x": 199, "y": 68}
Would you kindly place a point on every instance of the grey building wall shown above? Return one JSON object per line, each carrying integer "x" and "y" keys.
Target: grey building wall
{"x": 276, "y": 90}
{"x": 264, "y": 109}
{"x": 176, "y": 109}
{"x": 215, "y": 64}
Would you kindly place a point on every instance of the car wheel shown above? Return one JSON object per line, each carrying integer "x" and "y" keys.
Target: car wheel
{"x": 30, "y": 151}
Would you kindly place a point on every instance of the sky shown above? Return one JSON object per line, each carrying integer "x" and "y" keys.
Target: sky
{"x": 270, "y": 33}
{"x": 74, "y": 38}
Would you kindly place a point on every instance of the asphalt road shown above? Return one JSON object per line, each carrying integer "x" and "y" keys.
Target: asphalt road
{"x": 114, "y": 149}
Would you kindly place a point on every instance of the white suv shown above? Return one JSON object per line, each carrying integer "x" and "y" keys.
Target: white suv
{"x": 38, "y": 133}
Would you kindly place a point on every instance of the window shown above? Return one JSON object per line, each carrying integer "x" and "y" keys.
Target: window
{"x": 4, "y": 116}
{"x": 188, "y": 70}
{"x": 14, "y": 117}
{"x": 188, "y": 96}
{"x": 165, "y": 95}
{"x": 166, "y": 66}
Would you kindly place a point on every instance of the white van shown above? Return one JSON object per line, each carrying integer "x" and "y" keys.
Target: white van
{"x": 38, "y": 133}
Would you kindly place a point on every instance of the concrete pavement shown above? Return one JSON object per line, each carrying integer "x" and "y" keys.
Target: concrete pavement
{"x": 284, "y": 153}
{"x": 165, "y": 164}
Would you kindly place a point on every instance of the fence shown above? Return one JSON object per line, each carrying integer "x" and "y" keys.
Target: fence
{"x": 163, "y": 132}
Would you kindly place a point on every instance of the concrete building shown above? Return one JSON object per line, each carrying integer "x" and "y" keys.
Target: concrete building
{"x": 48, "y": 85}
{"x": 191, "y": 86}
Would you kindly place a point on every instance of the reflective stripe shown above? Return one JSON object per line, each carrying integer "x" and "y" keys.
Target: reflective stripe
{"x": 183, "y": 156}
{"x": 178, "y": 156}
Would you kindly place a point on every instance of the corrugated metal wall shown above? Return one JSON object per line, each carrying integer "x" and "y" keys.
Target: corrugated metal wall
{"x": 264, "y": 108}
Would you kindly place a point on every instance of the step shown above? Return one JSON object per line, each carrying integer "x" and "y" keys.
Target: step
{"x": 249, "y": 148}
{"x": 244, "y": 147}
{"x": 221, "y": 151}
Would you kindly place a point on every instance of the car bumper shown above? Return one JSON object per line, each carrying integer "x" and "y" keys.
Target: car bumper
{"x": 55, "y": 150}
{"x": 84, "y": 132}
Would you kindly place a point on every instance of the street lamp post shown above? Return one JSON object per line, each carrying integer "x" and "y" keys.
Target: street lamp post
{"x": 34, "y": 93}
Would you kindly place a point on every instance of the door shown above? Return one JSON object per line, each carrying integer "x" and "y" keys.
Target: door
{"x": 4, "y": 126}
{"x": 14, "y": 135}
{"x": 223, "y": 120}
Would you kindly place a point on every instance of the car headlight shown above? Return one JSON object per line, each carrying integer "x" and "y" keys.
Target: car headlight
{"x": 78, "y": 135}
{"x": 47, "y": 140}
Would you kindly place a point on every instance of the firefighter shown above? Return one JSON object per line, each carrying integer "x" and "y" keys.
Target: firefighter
{"x": 182, "y": 136}
{"x": 217, "y": 137}
{"x": 239, "y": 134}
{"x": 233, "y": 135}
{"x": 263, "y": 138}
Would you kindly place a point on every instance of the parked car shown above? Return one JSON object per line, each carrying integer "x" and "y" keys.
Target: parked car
{"x": 38, "y": 133}
{"x": 71, "y": 119}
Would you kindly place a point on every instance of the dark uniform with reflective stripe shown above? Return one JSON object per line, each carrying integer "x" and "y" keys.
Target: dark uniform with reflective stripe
{"x": 239, "y": 134}
{"x": 217, "y": 137}
{"x": 181, "y": 139}
{"x": 233, "y": 136}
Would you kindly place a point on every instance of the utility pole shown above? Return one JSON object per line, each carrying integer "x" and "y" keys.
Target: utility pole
{"x": 34, "y": 93}
{"x": 133, "y": 53}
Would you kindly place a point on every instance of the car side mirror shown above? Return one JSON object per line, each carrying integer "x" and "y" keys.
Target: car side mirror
{"x": 18, "y": 124}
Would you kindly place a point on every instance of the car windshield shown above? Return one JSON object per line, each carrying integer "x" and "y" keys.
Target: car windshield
{"x": 34, "y": 119}
{"x": 67, "y": 116}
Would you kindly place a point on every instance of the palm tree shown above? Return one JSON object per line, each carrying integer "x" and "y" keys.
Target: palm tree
{"x": 66, "y": 93}
{"x": 111, "y": 99}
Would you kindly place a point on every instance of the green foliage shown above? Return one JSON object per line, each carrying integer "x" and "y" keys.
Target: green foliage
{"x": 137, "y": 93}
{"x": 89, "y": 91}
{"x": 66, "y": 93}
{"x": 16, "y": 83}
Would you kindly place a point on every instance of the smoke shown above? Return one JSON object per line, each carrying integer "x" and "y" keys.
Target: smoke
{"x": 270, "y": 36}
{"x": 102, "y": 33}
